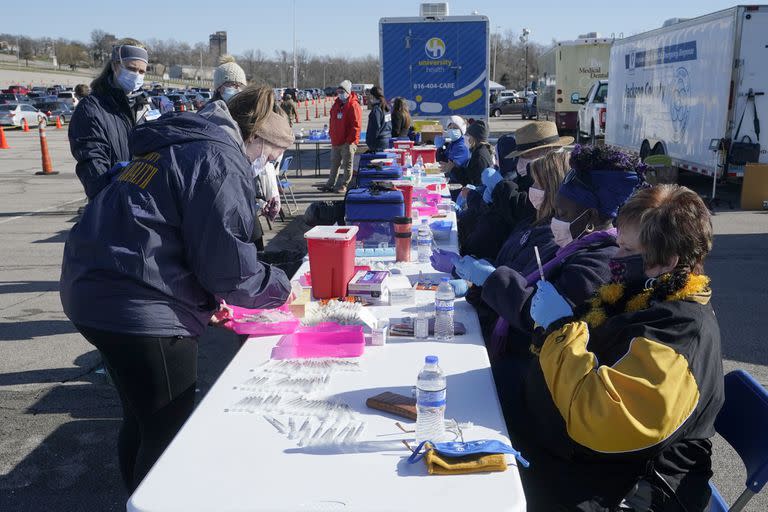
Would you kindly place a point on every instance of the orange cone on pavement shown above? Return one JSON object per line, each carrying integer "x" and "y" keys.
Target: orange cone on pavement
{"x": 3, "y": 142}
{"x": 306, "y": 106}
{"x": 24, "y": 125}
{"x": 317, "y": 110}
{"x": 325, "y": 109}
{"x": 47, "y": 164}
{"x": 58, "y": 123}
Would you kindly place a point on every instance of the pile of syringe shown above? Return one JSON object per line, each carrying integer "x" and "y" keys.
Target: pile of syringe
{"x": 282, "y": 392}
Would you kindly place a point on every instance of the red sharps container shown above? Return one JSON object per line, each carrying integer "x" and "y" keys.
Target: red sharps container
{"x": 331, "y": 259}
{"x": 407, "y": 190}
{"x": 403, "y": 235}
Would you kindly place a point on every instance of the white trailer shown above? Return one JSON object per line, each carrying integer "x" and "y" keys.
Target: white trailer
{"x": 681, "y": 90}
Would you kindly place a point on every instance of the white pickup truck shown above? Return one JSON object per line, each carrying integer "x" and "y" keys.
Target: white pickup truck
{"x": 590, "y": 122}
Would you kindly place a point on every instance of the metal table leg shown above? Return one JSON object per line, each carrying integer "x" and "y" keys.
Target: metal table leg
{"x": 317, "y": 159}
{"x": 298, "y": 159}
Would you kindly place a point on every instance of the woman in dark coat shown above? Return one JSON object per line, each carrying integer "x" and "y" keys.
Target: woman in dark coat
{"x": 379, "y": 121}
{"x": 481, "y": 156}
{"x": 401, "y": 119}
{"x": 159, "y": 248}
{"x": 98, "y": 132}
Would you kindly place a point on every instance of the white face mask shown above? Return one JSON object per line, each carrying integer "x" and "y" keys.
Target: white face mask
{"x": 522, "y": 166}
{"x": 562, "y": 230}
{"x": 453, "y": 134}
{"x": 344, "y": 96}
{"x": 536, "y": 197}
{"x": 228, "y": 92}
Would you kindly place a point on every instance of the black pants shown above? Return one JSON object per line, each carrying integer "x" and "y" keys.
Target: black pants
{"x": 155, "y": 378}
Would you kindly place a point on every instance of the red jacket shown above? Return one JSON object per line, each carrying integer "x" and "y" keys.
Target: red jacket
{"x": 346, "y": 121}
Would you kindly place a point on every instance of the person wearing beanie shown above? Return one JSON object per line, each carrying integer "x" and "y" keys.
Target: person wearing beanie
{"x": 228, "y": 78}
{"x": 98, "y": 131}
{"x": 481, "y": 156}
{"x": 344, "y": 126}
{"x": 455, "y": 152}
{"x": 169, "y": 239}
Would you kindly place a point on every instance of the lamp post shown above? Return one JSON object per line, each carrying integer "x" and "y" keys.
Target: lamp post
{"x": 524, "y": 40}
{"x": 495, "y": 52}
{"x": 295, "y": 67}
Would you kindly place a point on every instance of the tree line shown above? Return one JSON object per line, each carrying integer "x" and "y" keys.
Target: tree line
{"x": 508, "y": 59}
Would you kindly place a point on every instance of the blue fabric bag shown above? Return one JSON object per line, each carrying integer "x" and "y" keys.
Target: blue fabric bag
{"x": 372, "y": 209}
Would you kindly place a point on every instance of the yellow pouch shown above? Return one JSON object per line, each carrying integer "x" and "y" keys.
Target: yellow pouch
{"x": 480, "y": 463}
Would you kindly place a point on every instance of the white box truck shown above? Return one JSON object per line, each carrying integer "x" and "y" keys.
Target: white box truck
{"x": 570, "y": 67}
{"x": 683, "y": 89}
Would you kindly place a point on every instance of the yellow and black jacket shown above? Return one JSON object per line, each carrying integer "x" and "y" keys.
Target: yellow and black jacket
{"x": 634, "y": 396}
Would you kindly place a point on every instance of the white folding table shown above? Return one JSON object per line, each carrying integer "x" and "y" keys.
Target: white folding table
{"x": 227, "y": 461}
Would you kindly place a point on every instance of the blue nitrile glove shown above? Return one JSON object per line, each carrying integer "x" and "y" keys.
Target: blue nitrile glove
{"x": 460, "y": 287}
{"x": 443, "y": 261}
{"x": 475, "y": 271}
{"x": 490, "y": 177}
{"x": 548, "y": 305}
{"x": 460, "y": 203}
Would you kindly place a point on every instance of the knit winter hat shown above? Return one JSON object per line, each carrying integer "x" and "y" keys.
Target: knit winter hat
{"x": 276, "y": 130}
{"x": 478, "y": 130}
{"x": 228, "y": 71}
{"x": 346, "y": 85}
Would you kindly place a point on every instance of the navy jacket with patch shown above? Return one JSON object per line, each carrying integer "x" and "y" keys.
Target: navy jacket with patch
{"x": 171, "y": 234}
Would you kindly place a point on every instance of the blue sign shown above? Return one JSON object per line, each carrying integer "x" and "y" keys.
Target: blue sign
{"x": 439, "y": 67}
{"x": 666, "y": 55}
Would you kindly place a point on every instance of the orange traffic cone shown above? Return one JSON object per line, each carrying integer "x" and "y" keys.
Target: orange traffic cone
{"x": 24, "y": 125}
{"x": 3, "y": 142}
{"x": 47, "y": 165}
{"x": 325, "y": 109}
{"x": 306, "y": 105}
{"x": 58, "y": 123}
{"x": 317, "y": 110}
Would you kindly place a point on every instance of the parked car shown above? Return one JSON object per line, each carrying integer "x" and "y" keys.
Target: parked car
{"x": 330, "y": 92}
{"x": 68, "y": 97}
{"x": 507, "y": 93}
{"x": 162, "y": 103}
{"x": 530, "y": 110}
{"x": 207, "y": 95}
{"x": 54, "y": 109}
{"x": 11, "y": 114}
{"x": 180, "y": 102}
{"x": 10, "y": 97}
{"x": 16, "y": 89}
{"x": 510, "y": 105}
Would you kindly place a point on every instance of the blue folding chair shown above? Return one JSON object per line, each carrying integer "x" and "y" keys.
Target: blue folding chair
{"x": 743, "y": 422}
{"x": 285, "y": 187}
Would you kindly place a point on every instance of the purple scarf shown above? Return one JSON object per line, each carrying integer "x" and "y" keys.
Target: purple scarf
{"x": 501, "y": 329}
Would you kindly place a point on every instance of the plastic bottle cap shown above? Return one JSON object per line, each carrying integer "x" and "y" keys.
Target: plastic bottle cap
{"x": 430, "y": 359}
{"x": 445, "y": 279}
{"x": 424, "y": 221}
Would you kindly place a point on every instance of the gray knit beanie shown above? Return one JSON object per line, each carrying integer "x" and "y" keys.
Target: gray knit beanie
{"x": 228, "y": 71}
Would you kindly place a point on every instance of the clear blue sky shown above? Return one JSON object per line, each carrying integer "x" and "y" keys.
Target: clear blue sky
{"x": 323, "y": 27}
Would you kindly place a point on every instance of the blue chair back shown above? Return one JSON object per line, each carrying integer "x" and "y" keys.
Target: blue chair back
{"x": 286, "y": 164}
{"x": 743, "y": 423}
{"x": 504, "y": 146}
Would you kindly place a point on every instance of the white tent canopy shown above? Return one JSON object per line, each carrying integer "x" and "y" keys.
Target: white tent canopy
{"x": 495, "y": 86}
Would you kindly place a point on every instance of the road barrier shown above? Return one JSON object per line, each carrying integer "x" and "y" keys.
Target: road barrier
{"x": 3, "y": 142}
{"x": 24, "y": 125}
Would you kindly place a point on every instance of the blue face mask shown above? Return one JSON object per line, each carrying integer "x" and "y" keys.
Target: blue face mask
{"x": 461, "y": 449}
{"x": 228, "y": 92}
{"x": 129, "y": 81}
{"x": 453, "y": 134}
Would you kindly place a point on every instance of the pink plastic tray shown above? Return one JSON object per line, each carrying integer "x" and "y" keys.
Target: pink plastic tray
{"x": 259, "y": 328}
{"x": 328, "y": 339}
{"x": 425, "y": 209}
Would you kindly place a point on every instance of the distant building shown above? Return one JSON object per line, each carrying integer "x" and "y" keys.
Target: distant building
{"x": 190, "y": 73}
{"x": 218, "y": 43}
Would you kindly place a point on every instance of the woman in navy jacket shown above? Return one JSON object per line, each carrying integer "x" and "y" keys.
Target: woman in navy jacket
{"x": 160, "y": 246}
{"x": 379, "y": 121}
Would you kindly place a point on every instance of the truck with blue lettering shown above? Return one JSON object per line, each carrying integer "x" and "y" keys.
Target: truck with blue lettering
{"x": 438, "y": 64}
{"x": 693, "y": 90}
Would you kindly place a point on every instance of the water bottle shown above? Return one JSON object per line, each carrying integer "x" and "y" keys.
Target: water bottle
{"x": 408, "y": 161}
{"x": 430, "y": 402}
{"x": 444, "y": 311}
{"x": 325, "y": 131}
{"x": 301, "y": 133}
{"x": 424, "y": 241}
{"x": 421, "y": 326}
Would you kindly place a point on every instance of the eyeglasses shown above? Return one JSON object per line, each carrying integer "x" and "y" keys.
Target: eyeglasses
{"x": 581, "y": 178}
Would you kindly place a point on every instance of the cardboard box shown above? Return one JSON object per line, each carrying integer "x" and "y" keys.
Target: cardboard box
{"x": 754, "y": 189}
{"x": 429, "y": 132}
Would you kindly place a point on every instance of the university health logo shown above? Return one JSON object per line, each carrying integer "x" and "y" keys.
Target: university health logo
{"x": 435, "y": 48}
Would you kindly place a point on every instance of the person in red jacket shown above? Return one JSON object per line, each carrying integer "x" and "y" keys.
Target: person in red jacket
{"x": 344, "y": 126}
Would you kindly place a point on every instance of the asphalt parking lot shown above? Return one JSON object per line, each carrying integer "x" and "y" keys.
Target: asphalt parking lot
{"x": 59, "y": 418}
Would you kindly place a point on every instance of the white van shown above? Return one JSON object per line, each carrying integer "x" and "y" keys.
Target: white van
{"x": 360, "y": 90}
{"x": 68, "y": 97}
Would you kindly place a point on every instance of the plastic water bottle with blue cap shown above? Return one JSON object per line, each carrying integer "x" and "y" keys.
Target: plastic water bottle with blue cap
{"x": 430, "y": 402}
{"x": 424, "y": 241}
{"x": 444, "y": 300}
